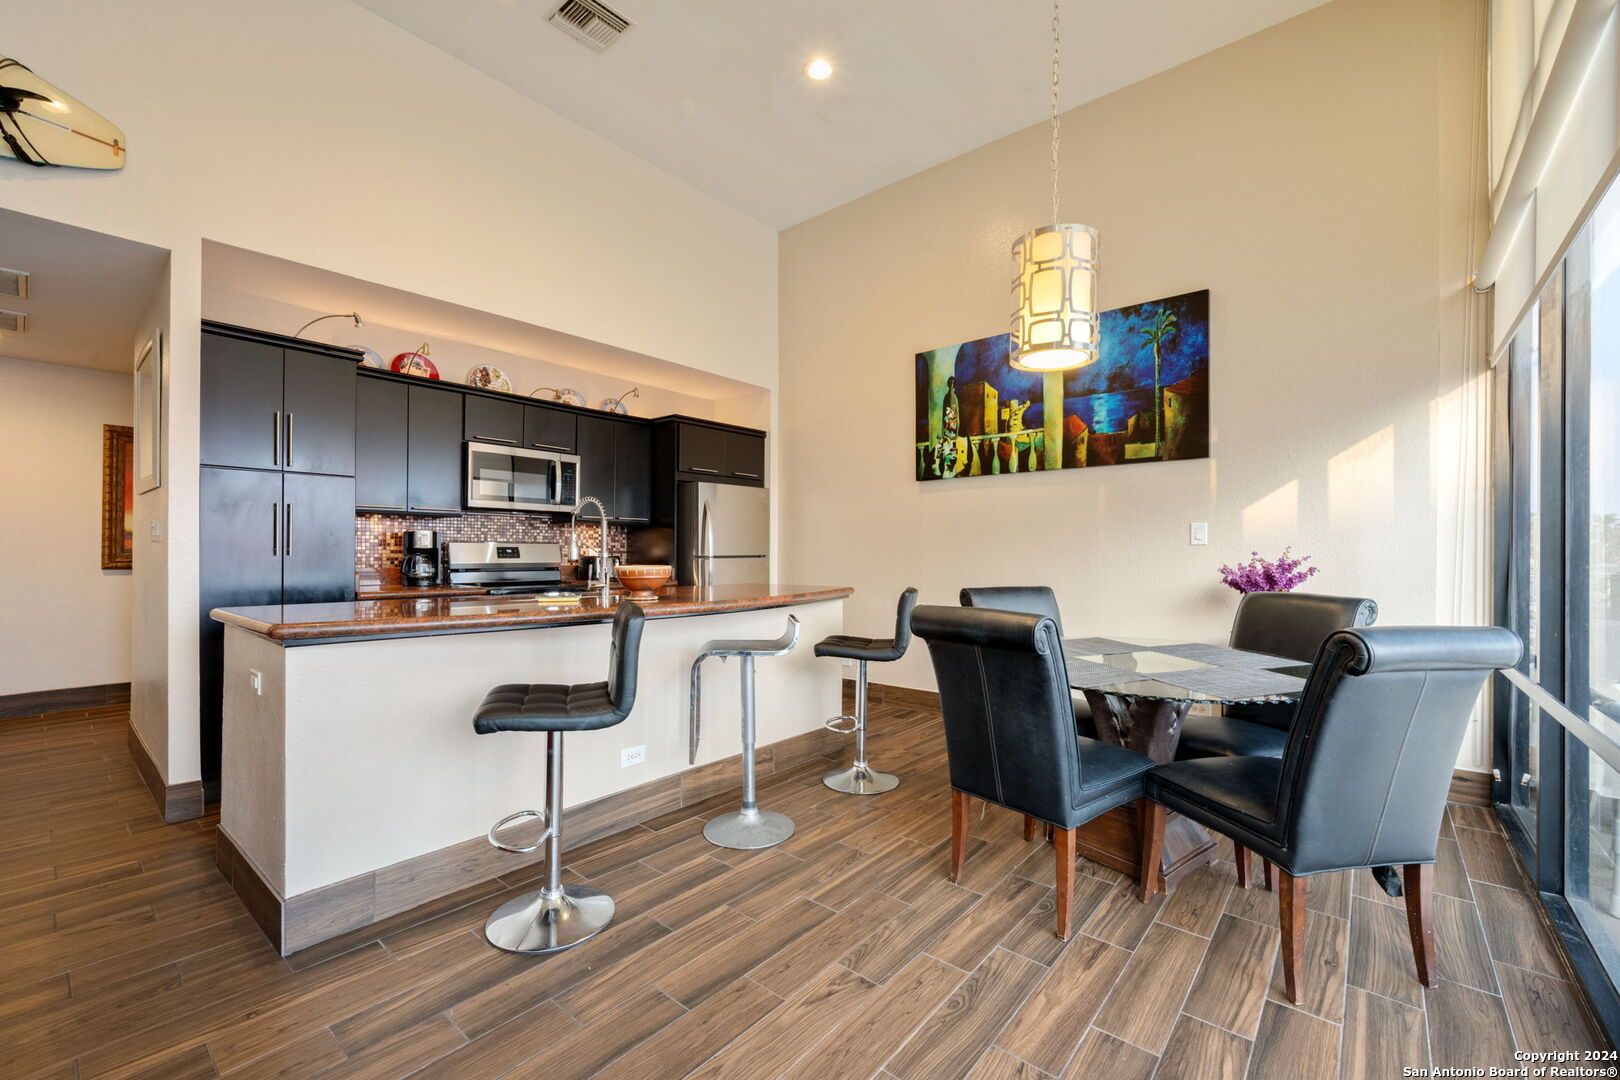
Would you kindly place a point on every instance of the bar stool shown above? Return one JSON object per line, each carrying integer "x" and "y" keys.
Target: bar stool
{"x": 558, "y": 917}
{"x": 750, "y": 827}
{"x": 860, "y": 778}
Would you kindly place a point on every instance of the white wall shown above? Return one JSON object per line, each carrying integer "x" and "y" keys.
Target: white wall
{"x": 1317, "y": 179}
{"x": 314, "y": 131}
{"x": 66, "y": 619}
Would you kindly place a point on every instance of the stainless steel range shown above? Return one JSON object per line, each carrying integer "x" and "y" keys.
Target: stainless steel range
{"x": 504, "y": 568}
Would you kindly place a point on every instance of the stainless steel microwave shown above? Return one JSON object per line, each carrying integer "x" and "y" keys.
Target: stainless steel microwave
{"x": 512, "y": 478}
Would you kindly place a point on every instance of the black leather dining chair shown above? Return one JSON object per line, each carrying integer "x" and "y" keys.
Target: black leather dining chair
{"x": 1364, "y": 780}
{"x": 1032, "y": 600}
{"x": 1009, "y": 732}
{"x": 1286, "y": 624}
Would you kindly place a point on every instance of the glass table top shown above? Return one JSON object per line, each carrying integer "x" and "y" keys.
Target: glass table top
{"x": 1168, "y": 670}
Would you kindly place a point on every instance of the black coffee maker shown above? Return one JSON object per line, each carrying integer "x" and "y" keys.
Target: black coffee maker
{"x": 420, "y": 564}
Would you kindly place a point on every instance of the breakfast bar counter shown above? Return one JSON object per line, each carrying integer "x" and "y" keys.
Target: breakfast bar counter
{"x": 354, "y": 788}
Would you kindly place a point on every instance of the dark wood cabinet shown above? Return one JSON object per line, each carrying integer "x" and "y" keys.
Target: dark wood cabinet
{"x": 266, "y": 405}
{"x": 547, "y": 428}
{"x": 632, "y": 472}
{"x": 433, "y": 451}
{"x": 382, "y": 419}
{"x": 240, "y": 410}
{"x": 265, "y": 537}
{"x": 493, "y": 421}
{"x": 318, "y": 413}
{"x": 317, "y": 538}
{"x": 744, "y": 455}
{"x": 701, "y": 450}
{"x": 598, "y": 453}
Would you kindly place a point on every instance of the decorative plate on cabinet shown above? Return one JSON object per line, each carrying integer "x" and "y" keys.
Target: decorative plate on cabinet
{"x": 489, "y": 377}
{"x": 416, "y": 363}
{"x": 373, "y": 358}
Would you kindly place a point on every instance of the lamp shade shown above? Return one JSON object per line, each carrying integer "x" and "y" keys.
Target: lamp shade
{"x": 1054, "y": 295}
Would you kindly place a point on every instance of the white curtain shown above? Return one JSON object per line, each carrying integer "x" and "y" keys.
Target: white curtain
{"x": 1555, "y": 133}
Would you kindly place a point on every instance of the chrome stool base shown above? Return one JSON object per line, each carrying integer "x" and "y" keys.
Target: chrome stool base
{"x": 535, "y": 923}
{"x": 748, "y": 830}
{"x": 861, "y": 780}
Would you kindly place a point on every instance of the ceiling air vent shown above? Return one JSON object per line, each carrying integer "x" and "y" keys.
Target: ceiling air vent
{"x": 592, "y": 24}
{"x": 14, "y": 283}
{"x": 15, "y": 322}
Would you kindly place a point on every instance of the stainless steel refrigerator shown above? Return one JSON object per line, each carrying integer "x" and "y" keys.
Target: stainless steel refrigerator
{"x": 722, "y": 534}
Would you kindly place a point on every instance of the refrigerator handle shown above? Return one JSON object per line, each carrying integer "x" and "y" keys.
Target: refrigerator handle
{"x": 705, "y": 546}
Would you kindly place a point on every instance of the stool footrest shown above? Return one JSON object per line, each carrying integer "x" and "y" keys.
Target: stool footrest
{"x": 513, "y": 819}
{"x": 843, "y": 725}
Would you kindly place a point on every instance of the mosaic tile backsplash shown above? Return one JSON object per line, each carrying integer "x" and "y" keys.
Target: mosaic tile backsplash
{"x": 378, "y": 545}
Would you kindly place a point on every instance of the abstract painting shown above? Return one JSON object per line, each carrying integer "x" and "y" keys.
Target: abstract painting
{"x": 1146, "y": 398}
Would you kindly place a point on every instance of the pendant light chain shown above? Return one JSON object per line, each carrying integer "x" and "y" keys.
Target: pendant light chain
{"x": 1057, "y": 52}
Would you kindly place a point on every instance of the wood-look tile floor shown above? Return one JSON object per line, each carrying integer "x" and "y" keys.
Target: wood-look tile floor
{"x": 844, "y": 952}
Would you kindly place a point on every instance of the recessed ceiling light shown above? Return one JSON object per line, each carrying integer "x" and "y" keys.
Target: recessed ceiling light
{"x": 818, "y": 69}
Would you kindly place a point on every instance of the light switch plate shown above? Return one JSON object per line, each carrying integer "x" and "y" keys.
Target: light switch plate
{"x": 154, "y": 530}
{"x": 255, "y": 681}
{"x": 1198, "y": 534}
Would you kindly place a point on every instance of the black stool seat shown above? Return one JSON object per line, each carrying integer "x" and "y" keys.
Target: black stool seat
{"x": 547, "y": 707}
{"x": 850, "y": 647}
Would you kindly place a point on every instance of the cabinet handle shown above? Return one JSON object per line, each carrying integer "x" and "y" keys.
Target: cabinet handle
{"x": 699, "y": 468}
{"x": 495, "y": 438}
{"x": 374, "y": 506}
{"x": 438, "y": 509}
{"x": 275, "y": 440}
{"x": 549, "y": 446}
{"x": 289, "y": 440}
{"x": 288, "y": 538}
{"x": 749, "y": 475}
{"x": 275, "y": 528}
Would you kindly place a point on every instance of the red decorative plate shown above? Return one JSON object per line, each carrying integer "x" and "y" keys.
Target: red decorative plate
{"x": 416, "y": 363}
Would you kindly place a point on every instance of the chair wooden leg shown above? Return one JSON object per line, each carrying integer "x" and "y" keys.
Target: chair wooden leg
{"x": 1291, "y": 908}
{"x": 1150, "y": 823}
{"x": 959, "y": 832}
{"x": 1050, "y": 831}
{"x": 1419, "y": 892}
{"x": 1270, "y": 872}
{"x": 1065, "y": 846}
{"x": 1241, "y": 853}
{"x": 1029, "y": 828}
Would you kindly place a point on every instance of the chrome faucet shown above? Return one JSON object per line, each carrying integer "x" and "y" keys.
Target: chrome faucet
{"x": 573, "y": 534}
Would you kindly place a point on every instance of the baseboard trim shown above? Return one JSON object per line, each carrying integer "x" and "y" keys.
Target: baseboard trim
{"x": 1468, "y": 787}
{"x": 176, "y": 802}
{"x": 355, "y": 907}
{"x": 68, "y": 699}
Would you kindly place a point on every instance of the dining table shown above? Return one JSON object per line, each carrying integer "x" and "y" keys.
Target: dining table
{"x": 1140, "y": 691}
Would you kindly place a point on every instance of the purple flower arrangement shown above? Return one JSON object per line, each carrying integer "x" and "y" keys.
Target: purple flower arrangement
{"x": 1281, "y": 574}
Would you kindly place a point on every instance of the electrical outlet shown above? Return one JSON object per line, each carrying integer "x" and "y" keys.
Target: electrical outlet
{"x": 634, "y": 755}
{"x": 849, "y": 663}
{"x": 1198, "y": 534}
{"x": 255, "y": 681}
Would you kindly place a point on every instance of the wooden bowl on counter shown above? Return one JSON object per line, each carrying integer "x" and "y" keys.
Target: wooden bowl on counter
{"x": 643, "y": 579}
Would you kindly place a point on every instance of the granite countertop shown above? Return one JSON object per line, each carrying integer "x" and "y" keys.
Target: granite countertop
{"x": 428, "y": 615}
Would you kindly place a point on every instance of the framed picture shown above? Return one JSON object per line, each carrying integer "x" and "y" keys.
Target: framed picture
{"x": 117, "y": 497}
{"x": 1145, "y": 399}
{"x": 149, "y": 415}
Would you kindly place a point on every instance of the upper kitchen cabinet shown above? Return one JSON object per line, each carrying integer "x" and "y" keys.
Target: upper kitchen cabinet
{"x": 701, "y": 449}
{"x": 276, "y": 403}
{"x": 491, "y": 420}
{"x": 719, "y": 452}
{"x": 632, "y": 472}
{"x": 433, "y": 453}
{"x": 381, "y": 441}
{"x": 548, "y": 428}
{"x": 745, "y": 455}
{"x": 598, "y": 458}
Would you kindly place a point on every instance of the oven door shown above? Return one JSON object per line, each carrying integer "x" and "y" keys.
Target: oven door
{"x": 509, "y": 478}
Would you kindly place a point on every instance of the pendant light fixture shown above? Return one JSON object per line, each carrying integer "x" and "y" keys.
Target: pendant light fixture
{"x": 1054, "y": 289}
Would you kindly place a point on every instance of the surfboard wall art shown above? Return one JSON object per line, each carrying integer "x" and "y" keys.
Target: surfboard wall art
{"x": 40, "y": 125}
